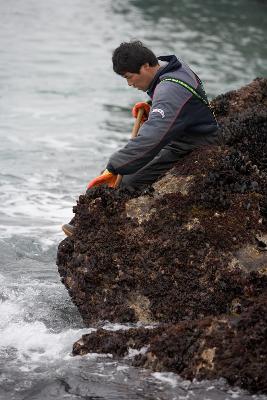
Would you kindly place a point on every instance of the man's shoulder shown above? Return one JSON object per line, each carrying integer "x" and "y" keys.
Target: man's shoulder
{"x": 170, "y": 92}
{"x": 183, "y": 73}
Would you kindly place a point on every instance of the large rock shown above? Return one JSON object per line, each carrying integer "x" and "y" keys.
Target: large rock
{"x": 188, "y": 255}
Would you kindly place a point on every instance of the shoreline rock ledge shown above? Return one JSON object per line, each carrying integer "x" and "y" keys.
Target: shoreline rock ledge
{"x": 186, "y": 259}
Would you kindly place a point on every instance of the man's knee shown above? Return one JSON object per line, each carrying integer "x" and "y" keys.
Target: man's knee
{"x": 130, "y": 182}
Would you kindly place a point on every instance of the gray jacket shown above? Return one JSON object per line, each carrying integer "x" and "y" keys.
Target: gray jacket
{"x": 177, "y": 119}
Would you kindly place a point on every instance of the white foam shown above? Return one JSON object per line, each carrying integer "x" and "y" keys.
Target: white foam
{"x": 8, "y": 310}
{"x": 32, "y": 340}
{"x": 233, "y": 393}
{"x": 93, "y": 356}
{"x": 116, "y": 326}
{"x": 10, "y": 307}
{"x": 167, "y": 377}
{"x": 39, "y": 204}
{"x": 134, "y": 352}
{"x": 35, "y": 343}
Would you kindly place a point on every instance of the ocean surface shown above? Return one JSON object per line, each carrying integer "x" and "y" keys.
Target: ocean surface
{"x": 62, "y": 113}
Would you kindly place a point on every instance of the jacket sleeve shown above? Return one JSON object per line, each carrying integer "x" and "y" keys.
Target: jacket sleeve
{"x": 163, "y": 123}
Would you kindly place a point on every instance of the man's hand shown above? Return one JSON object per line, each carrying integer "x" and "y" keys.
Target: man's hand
{"x": 107, "y": 178}
{"x": 137, "y": 107}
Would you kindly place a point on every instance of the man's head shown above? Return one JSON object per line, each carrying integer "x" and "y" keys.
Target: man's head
{"x": 136, "y": 63}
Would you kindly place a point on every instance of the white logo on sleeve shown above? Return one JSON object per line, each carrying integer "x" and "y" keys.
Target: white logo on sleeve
{"x": 160, "y": 111}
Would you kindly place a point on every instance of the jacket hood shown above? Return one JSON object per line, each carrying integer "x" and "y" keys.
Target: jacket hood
{"x": 172, "y": 65}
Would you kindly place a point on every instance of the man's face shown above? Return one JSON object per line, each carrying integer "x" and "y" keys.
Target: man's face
{"x": 142, "y": 80}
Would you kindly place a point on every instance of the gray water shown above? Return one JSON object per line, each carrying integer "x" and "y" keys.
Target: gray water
{"x": 62, "y": 112}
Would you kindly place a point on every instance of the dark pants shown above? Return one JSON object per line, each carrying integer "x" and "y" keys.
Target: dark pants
{"x": 165, "y": 160}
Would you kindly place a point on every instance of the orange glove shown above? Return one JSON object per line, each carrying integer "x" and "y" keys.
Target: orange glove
{"x": 143, "y": 105}
{"x": 107, "y": 178}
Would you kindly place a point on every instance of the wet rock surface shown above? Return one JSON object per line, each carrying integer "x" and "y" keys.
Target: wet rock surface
{"x": 187, "y": 255}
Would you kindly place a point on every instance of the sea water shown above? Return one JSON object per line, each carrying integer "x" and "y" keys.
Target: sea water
{"x": 62, "y": 113}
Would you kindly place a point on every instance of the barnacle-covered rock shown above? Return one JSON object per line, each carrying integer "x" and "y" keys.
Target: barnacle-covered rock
{"x": 188, "y": 252}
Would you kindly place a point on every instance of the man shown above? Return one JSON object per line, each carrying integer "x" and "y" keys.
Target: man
{"x": 178, "y": 121}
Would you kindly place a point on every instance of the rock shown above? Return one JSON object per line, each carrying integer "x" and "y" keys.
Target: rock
{"x": 187, "y": 255}
{"x": 233, "y": 347}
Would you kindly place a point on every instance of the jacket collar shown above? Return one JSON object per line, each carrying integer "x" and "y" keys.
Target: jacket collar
{"x": 172, "y": 65}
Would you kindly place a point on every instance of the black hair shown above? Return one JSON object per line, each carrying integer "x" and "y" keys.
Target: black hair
{"x": 129, "y": 57}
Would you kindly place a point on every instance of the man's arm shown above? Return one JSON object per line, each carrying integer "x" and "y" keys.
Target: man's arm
{"x": 163, "y": 123}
